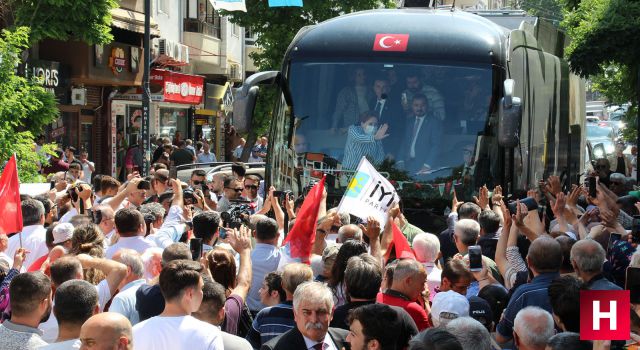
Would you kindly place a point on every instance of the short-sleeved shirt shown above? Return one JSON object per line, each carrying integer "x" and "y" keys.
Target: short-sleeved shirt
{"x": 181, "y": 332}
{"x": 270, "y": 322}
{"x": 265, "y": 258}
{"x": 18, "y": 337}
{"x": 137, "y": 243}
{"x": 534, "y": 293}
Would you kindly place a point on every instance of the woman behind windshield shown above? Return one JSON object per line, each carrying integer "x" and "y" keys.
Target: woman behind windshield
{"x": 365, "y": 139}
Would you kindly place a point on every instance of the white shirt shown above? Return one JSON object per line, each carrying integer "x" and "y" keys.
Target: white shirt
{"x": 171, "y": 229}
{"x": 137, "y": 243}
{"x": 124, "y": 302}
{"x": 417, "y": 125}
{"x": 33, "y": 240}
{"x": 327, "y": 343}
{"x": 434, "y": 277}
{"x": 68, "y": 215}
{"x": 176, "y": 333}
{"x": 63, "y": 345}
{"x": 87, "y": 171}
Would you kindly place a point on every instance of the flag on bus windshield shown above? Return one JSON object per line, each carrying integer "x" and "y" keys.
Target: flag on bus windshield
{"x": 229, "y": 5}
{"x": 11, "y": 218}
{"x": 368, "y": 194}
{"x": 280, "y": 3}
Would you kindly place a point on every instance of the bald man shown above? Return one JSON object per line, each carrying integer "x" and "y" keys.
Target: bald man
{"x": 107, "y": 330}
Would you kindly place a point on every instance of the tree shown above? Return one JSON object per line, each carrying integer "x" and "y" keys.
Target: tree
{"x": 276, "y": 26}
{"x": 25, "y": 107}
{"x": 87, "y": 21}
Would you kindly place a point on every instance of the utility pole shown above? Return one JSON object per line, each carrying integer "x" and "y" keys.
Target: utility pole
{"x": 146, "y": 93}
{"x": 638, "y": 124}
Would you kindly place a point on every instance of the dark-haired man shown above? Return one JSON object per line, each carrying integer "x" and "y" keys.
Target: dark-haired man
{"x": 75, "y": 302}
{"x": 421, "y": 138}
{"x": 33, "y": 236}
{"x": 181, "y": 285}
{"x": 232, "y": 190}
{"x": 251, "y": 185}
{"x": 373, "y": 327}
{"x": 206, "y": 156}
{"x": 30, "y": 305}
{"x": 544, "y": 260}
{"x": 131, "y": 227}
{"x": 206, "y": 226}
{"x": 265, "y": 258}
{"x": 181, "y": 155}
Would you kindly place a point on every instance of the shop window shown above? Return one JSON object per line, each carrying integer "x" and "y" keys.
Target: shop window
{"x": 172, "y": 120}
{"x": 86, "y": 135}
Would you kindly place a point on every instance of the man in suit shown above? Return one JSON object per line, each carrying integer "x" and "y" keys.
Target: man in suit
{"x": 421, "y": 138}
{"x": 312, "y": 310}
{"x": 388, "y": 112}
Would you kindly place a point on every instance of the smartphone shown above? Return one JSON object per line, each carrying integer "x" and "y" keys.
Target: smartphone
{"x": 459, "y": 188}
{"x": 635, "y": 229}
{"x": 195, "y": 244}
{"x": 592, "y": 187}
{"x": 529, "y": 202}
{"x": 475, "y": 258}
{"x": 52, "y": 184}
{"x": 632, "y": 283}
{"x": 223, "y": 233}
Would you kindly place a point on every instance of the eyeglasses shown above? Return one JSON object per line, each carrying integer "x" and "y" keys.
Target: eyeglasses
{"x": 235, "y": 189}
{"x": 251, "y": 187}
{"x": 196, "y": 182}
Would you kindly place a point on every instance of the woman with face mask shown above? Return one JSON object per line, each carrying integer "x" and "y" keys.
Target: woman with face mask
{"x": 365, "y": 139}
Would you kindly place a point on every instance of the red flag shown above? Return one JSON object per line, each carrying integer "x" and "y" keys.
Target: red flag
{"x": 303, "y": 233}
{"x": 10, "y": 210}
{"x": 400, "y": 245}
{"x": 391, "y": 42}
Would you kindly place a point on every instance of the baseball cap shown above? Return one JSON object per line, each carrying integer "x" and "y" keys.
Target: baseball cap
{"x": 448, "y": 306}
{"x": 480, "y": 310}
{"x": 62, "y": 232}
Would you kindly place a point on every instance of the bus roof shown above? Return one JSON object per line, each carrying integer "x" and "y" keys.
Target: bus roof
{"x": 436, "y": 35}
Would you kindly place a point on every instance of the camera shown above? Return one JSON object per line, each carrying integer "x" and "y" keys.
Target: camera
{"x": 188, "y": 196}
{"x": 236, "y": 216}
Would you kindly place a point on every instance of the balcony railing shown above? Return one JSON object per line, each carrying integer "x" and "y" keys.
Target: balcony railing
{"x": 209, "y": 25}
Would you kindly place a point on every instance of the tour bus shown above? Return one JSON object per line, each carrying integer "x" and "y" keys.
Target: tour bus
{"x": 502, "y": 107}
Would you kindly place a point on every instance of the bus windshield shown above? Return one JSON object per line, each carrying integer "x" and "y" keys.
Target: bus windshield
{"x": 417, "y": 123}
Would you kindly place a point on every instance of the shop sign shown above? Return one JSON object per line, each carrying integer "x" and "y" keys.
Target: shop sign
{"x": 117, "y": 60}
{"x": 57, "y": 132}
{"x": 51, "y": 75}
{"x": 178, "y": 88}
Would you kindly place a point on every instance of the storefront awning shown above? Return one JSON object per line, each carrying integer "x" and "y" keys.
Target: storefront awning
{"x": 219, "y": 97}
{"x": 132, "y": 21}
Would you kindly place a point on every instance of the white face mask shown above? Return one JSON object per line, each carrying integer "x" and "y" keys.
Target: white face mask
{"x": 370, "y": 129}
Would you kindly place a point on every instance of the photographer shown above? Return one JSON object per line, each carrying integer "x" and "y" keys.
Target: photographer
{"x": 198, "y": 183}
{"x": 174, "y": 224}
{"x": 232, "y": 191}
{"x": 81, "y": 198}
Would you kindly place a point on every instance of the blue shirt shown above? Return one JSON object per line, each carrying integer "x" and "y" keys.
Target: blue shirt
{"x": 270, "y": 323}
{"x": 534, "y": 293}
{"x": 124, "y": 302}
{"x": 599, "y": 282}
{"x": 264, "y": 259}
{"x": 206, "y": 158}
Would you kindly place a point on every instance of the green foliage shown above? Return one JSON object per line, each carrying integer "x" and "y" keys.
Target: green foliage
{"x": 603, "y": 32}
{"x": 87, "y": 21}
{"x": 548, "y": 9}
{"x": 277, "y": 26}
{"x": 25, "y": 107}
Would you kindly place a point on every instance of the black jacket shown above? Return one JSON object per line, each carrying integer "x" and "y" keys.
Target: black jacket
{"x": 293, "y": 340}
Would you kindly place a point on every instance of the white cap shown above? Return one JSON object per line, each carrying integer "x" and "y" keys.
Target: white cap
{"x": 448, "y": 306}
{"x": 62, "y": 232}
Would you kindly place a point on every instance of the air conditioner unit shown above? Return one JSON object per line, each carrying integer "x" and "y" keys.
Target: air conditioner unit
{"x": 162, "y": 47}
{"x": 79, "y": 96}
{"x": 185, "y": 53}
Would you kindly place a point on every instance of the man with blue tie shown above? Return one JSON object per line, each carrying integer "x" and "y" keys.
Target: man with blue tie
{"x": 421, "y": 140}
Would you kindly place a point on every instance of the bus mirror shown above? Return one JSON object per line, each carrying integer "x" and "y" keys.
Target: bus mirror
{"x": 510, "y": 117}
{"x": 243, "y": 107}
{"x": 246, "y": 96}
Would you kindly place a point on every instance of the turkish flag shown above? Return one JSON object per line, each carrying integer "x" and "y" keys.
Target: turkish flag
{"x": 10, "y": 209}
{"x": 391, "y": 42}
{"x": 303, "y": 232}
{"x": 400, "y": 245}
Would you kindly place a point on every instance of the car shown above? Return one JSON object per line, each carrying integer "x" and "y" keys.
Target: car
{"x": 601, "y": 130}
{"x": 592, "y": 119}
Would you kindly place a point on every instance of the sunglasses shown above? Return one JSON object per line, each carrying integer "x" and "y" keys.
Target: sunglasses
{"x": 251, "y": 187}
{"x": 196, "y": 182}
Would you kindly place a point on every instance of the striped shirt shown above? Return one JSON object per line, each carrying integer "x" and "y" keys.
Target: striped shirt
{"x": 361, "y": 144}
{"x": 270, "y": 323}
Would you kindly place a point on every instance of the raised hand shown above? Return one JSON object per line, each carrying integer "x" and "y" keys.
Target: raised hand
{"x": 382, "y": 132}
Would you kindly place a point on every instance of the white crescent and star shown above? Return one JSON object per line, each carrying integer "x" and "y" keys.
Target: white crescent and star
{"x": 381, "y": 41}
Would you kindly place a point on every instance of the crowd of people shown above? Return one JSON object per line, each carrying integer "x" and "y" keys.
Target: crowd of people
{"x": 154, "y": 263}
